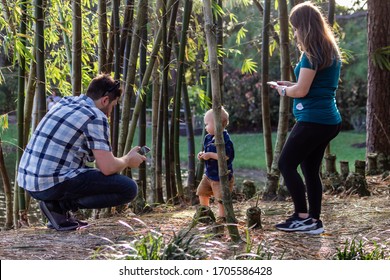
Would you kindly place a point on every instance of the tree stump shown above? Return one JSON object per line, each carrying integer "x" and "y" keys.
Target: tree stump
{"x": 271, "y": 187}
{"x": 248, "y": 189}
{"x": 332, "y": 183}
{"x": 356, "y": 183}
{"x": 330, "y": 164}
{"x": 383, "y": 162}
{"x": 204, "y": 215}
{"x": 344, "y": 169}
{"x": 253, "y": 217}
{"x": 360, "y": 167}
{"x": 372, "y": 166}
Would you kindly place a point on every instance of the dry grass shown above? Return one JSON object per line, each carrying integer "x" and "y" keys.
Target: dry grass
{"x": 345, "y": 218}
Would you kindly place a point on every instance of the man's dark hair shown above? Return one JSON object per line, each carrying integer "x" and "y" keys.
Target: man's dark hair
{"x": 103, "y": 85}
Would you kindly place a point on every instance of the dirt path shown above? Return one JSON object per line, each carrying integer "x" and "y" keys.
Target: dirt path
{"x": 345, "y": 218}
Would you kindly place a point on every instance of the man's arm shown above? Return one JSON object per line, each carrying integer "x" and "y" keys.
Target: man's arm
{"x": 109, "y": 164}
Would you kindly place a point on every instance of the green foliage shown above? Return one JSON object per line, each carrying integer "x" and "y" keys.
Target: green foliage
{"x": 248, "y": 66}
{"x": 258, "y": 253}
{"x": 3, "y": 124}
{"x": 217, "y": 10}
{"x": 240, "y": 35}
{"x": 56, "y": 62}
{"x": 381, "y": 58}
{"x": 357, "y": 251}
{"x": 243, "y": 101}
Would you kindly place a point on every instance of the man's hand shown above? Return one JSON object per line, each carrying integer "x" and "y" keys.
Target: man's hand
{"x": 134, "y": 158}
{"x": 109, "y": 164}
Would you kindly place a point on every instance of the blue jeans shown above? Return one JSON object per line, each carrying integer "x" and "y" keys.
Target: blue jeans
{"x": 90, "y": 190}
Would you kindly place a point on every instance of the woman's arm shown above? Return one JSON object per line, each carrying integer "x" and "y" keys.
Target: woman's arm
{"x": 301, "y": 88}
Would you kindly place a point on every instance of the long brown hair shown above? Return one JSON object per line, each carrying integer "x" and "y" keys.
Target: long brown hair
{"x": 314, "y": 35}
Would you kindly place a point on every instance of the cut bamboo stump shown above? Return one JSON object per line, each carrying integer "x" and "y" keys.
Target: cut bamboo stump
{"x": 330, "y": 164}
{"x": 331, "y": 178}
{"x": 248, "y": 189}
{"x": 253, "y": 216}
{"x": 344, "y": 169}
{"x": 383, "y": 162}
{"x": 356, "y": 182}
{"x": 372, "y": 164}
{"x": 204, "y": 215}
{"x": 360, "y": 167}
{"x": 271, "y": 187}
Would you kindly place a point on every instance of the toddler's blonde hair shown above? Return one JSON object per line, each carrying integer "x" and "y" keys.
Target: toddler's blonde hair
{"x": 224, "y": 116}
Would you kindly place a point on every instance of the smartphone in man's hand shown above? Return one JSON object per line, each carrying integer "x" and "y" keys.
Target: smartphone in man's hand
{"x": 144, "y": 150}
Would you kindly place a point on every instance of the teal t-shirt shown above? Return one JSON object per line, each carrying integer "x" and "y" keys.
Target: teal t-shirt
{"x": 319, "y": 105}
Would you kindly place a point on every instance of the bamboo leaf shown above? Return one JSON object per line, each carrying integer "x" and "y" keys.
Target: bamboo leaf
{"x": 217, "y": 9}
{"x": 248, "y": 66}
{"x": 241, "y": 34}
{"x": 3, "y": 122}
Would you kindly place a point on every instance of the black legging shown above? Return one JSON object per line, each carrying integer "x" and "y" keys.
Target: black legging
{"x": 305, "y": 146}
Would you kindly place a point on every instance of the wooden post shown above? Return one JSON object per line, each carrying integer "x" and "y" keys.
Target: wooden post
{"x": 372, "y": 166}
{"x": 360, "y": 167}
{"x": 248, "y": 189}
{"x": 383, "y": 162}
{"x": 253, "y": 216}
{"x": 330, "y": 164}
{"x": 344, "y": 169}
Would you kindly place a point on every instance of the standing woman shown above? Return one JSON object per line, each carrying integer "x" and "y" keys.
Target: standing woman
{"x": 318, "y": 120}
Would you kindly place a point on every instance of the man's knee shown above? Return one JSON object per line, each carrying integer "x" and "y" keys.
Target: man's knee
{"x": 130, "y": 189}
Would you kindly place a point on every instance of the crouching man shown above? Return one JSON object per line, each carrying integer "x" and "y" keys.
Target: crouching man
{"x": 54, "y": 170}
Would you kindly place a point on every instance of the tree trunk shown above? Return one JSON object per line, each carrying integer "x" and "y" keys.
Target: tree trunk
{"x": 331, "y": 16}
{"x": 115, "y": 115}
{"x": 126, "y": 35}
{"x": 142, "y": 119}
{"x": 284, "y": 103}
{"x": 130, "y": 79}
{"x": 156, "y": 125}
{"x": 265, "y": 106}
{"x": 145, "y": 81}
{"x": 76, "y": 47}
{"x": 65, "y": 37}
{"x": 20, "y": 106}
{"x": 378, "y": 100}
{"x": 219, "y": 141}
{"x": 9, "y": 224}
{"x": 270, "y": 191}
{"x": 102, "y": 44}
{"x": 155, "y": 109}
{"x": 179, "y": 85}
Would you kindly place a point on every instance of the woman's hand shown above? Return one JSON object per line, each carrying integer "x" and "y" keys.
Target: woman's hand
{"x": 285, "y": 83}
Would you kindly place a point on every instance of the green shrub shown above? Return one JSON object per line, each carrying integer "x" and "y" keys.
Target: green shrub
{"x": 356, "y": 251}
{"x": 152, "y": 246}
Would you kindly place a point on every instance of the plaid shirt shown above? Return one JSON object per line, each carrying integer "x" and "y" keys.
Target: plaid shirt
{"x": 62, "y": 144}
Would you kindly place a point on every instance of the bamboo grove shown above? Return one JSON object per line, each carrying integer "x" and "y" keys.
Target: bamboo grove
{"x": 155, "y": 48}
